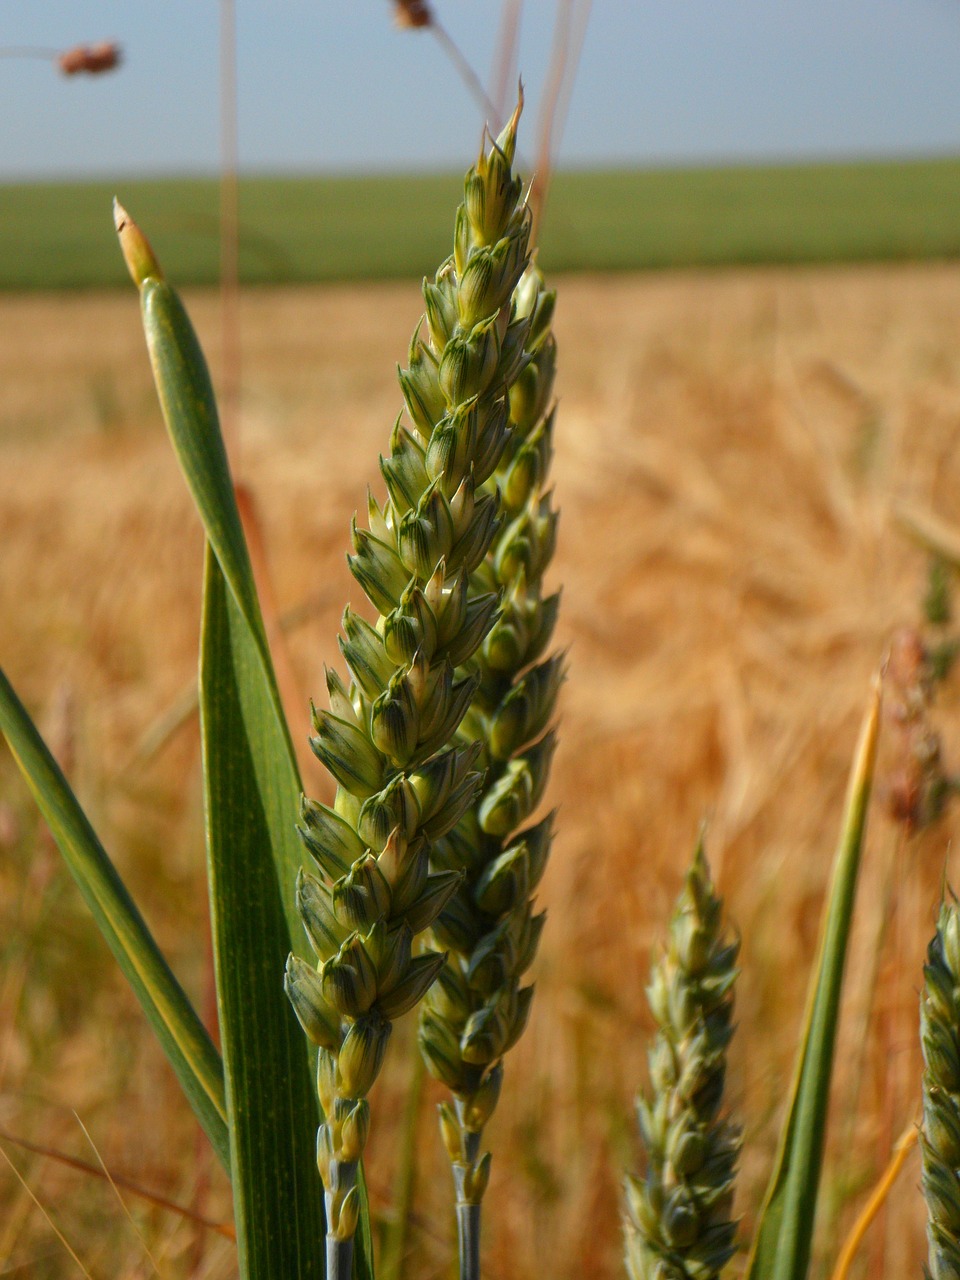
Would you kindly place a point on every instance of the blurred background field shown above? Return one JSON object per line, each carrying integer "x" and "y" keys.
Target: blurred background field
{"x": 735, "y": 452}
{"x": 731, "y": 449}
{"x": 299, "y": 230}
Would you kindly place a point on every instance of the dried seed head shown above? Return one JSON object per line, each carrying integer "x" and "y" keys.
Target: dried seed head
{"x": 916, "y": 785}
{"x": 90, "y": 59}
{"x": 411, "y": 14}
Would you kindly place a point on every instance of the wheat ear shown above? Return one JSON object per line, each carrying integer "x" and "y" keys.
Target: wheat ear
{"x": 388, "y": 738}
{"x": 678, "y": 1224}
{"x": 478, "y": 1008}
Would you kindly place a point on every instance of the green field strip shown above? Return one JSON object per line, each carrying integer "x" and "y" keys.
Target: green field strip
{"x": 302, "y": 229}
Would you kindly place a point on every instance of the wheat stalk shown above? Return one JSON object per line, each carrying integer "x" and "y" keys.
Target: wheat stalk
{"x": 387, "y": 738}
{"x": 678, "y": 1224}
{"x": 478, "y": 1008}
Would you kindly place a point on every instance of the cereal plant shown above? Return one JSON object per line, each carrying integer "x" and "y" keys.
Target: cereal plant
{"x": 419, "y": 883}
{"x": 463, "y": 522}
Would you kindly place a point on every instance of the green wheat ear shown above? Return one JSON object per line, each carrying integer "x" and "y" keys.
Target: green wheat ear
{"x": 940, "y": 1136}
{"x": 478, "y": 1007}
{"x": 390, "y": 738}
{"x": 678, "y": 1224}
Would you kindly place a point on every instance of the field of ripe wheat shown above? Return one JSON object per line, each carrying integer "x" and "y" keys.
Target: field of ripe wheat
{"x": 734, "y": 453}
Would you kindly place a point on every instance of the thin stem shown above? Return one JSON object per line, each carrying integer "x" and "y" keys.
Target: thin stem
{"x": 468, "y": 1208}
{"x": 468, "y": 75}
{"x": 339, "y": 1258}
{"x": 938, "y": 536}
{"x": 339, "y": 1192}
{"x": 468, "y": 1234}
{"x": 224, "y": 1229}
{"x": 29, "y": 51}
{"x": 229, "y": 234}
{"x": 901, "y": 1152}
{"x": 505, "y": 58}
{"x": 50, "y": 1222}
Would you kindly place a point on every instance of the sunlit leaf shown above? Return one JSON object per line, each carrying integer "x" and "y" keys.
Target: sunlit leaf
{"x": 781, "y": 1248}
{"x": 178, "y": 1027}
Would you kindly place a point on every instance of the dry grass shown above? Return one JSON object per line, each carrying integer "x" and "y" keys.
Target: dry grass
{"x": 729, "y": 450}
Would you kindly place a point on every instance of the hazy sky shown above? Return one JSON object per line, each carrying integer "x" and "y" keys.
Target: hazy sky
{"x": 333, "y": 85}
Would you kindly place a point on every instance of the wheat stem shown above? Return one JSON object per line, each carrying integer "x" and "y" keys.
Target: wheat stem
{"x": 468, "y": 1237}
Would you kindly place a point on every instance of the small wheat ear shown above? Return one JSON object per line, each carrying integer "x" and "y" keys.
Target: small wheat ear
{"x": 678, "y": 1220}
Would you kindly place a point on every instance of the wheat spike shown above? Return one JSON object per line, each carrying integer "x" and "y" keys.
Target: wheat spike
{"x": 478, "y": 1008}
{"x": 678, "y": 1224}
{"x": 404, "y": 778}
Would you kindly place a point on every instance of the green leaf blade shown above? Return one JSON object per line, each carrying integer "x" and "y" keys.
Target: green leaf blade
{"x": 782, "y": 1245}
{"x": 176, "y": 1024}
{"x": 250, "y": 768}
{"x": 278, "y": 1200}
{"x": 190, "y": 412}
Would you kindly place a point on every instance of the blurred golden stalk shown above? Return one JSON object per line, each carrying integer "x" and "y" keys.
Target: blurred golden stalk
{"x": 936, "y": 535}
{"x": 224, "y": 1229}
{"x": 901, "y": 1152}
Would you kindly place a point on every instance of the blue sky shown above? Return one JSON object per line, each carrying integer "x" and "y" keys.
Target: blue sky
{"x": 330, "y": 85}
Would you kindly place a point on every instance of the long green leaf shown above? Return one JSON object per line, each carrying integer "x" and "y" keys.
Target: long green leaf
{"x": 249, "y": 782}
{"x": 189, "y": 410}
{"x": 245, "y": 709}
{"x": 177, "y": 1026}
{"x": 781, "y": 1249}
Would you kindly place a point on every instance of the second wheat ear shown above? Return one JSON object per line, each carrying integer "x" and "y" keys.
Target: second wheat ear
{"x": 679, "y": 1221}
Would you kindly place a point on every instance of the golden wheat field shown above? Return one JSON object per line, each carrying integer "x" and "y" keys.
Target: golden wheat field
{"x": 732, "y": 451}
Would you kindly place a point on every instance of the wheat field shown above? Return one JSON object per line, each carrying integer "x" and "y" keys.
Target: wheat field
{"x": 732, "y": 450}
